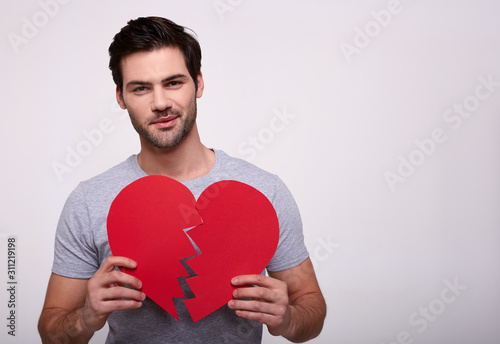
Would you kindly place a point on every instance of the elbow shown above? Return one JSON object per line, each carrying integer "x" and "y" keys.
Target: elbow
{"x": 42, "y": 328}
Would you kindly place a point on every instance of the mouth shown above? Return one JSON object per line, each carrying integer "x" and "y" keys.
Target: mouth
{"x": 165, "y": 122}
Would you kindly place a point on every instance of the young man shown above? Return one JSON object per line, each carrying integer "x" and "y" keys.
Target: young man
{"x": 156, "y": 68}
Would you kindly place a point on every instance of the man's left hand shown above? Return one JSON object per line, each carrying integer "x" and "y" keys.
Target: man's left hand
{"x": 268, "y": 304}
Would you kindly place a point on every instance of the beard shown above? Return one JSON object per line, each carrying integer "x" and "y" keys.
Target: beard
{"x": 167, "y": 137}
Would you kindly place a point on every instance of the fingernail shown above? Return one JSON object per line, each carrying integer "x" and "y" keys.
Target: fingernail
{"x": 235, "y": 293}
{"x": 231, "y": 304}
{"x": 234, "y": 280}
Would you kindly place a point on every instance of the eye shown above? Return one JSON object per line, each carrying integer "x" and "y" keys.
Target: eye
{"x": 174, "y": 83}
{"x": 139, "y": 89}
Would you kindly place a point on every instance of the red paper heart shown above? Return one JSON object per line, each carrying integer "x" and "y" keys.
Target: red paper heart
{"x": 236, "y": 230}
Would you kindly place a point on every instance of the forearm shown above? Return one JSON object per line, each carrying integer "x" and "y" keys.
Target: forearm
{"x": 58, "y": 326}
{"x": 306, "y": 317}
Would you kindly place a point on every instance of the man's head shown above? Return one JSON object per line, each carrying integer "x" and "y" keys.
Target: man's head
{"x": 152, "y": 33}
{"x": 156, "y": 68}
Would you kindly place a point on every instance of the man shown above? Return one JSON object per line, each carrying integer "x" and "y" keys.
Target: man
{"x": 156, "y": 67}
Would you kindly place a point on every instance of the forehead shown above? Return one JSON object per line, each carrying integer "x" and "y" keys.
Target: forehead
{"x": 152, "y": 65}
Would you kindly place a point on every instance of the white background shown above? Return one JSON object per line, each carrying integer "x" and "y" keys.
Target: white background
{"x": 392, "y": 250}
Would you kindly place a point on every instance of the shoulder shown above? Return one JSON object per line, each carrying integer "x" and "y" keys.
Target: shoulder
{"x": 102, "y": 188}
{"x": 124, "y": 170}
{"x": 242, "y": 169}
{"x": 116, "y": 177}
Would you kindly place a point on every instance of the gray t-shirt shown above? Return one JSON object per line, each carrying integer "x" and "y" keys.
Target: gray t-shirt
{"x": 81, "y": 246}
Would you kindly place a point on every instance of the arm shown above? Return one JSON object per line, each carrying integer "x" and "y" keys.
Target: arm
{"x": 75, "y": 308}
{"x": 289, "y": 302}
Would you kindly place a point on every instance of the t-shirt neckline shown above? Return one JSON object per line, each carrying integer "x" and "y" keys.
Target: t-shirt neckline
{"x": 219, "y": 155}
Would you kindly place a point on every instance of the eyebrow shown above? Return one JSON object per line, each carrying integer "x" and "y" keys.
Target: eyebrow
{"x": 147, "y": 83}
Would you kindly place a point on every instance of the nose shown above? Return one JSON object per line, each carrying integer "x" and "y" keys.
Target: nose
{"x": 160, "y": 101}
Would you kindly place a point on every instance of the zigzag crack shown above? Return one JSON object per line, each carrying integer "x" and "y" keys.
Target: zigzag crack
{"x": 188, "y": 293}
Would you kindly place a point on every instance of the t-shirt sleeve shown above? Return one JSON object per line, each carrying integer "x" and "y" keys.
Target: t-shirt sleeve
{"x": 291, "y": 250}
{"x": 74, "y": 251}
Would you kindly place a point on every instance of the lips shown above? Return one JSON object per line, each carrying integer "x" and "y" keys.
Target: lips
{"x": 165, "y": 122}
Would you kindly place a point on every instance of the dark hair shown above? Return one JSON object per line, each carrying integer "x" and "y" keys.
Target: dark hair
{"x": 148, "y": 34}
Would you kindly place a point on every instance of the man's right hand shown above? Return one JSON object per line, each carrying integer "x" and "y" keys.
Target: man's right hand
{"x": 107, "y": 292}
{"x": 75, "y": 308}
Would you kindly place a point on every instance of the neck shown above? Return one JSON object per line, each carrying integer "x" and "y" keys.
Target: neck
{"x": 189, "y": 160}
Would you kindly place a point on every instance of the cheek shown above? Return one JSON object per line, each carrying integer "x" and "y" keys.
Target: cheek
{"x": 138, "y": 106}
{"x": 135, "y": 114}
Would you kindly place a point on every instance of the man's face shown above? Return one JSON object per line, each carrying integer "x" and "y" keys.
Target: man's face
{"x": 160, "y": 96}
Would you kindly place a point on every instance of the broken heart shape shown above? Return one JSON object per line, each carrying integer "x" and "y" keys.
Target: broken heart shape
{"x": 235, "y": 228}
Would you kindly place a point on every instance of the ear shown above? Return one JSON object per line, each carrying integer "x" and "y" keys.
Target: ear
{"x": 119, "y": 98}
{"x": 201, "y": 85}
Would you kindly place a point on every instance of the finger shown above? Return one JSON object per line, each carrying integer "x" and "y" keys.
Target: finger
{"x": 256, "y": 307}
{"x": 260, "y": 280}
{"x": 258, "y": 293}
{"x": 117, "y": 293}
{"x": 267, "y": 319}
{"x": 123, "y": 304}
{"x": 116, "y": 277}
{"x": 107, "y": 300}
{"x": 113, "y": 262}
{"x": 108, "y": 307}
